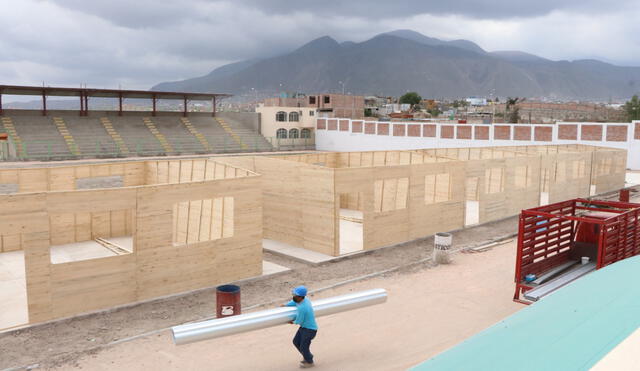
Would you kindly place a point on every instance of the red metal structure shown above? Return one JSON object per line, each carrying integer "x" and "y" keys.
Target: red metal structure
{"x": 85, "y": 93}
{"x": 556, "y": 234}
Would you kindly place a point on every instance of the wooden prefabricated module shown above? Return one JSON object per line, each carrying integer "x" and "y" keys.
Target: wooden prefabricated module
{"x": 51, "y": 211}
{"x": 404, "y": 195}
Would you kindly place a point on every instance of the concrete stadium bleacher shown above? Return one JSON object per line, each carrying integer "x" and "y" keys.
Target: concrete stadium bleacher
{"x": 40, "y": 138}
{"x": 105, "y": 134}
{"x": 91, "y": 137}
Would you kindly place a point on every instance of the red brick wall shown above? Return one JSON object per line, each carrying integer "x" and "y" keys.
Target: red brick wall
{"x": 522, "y": 133}
{"x": 464, "y": 132}
{"x": 356, "y": 126}
{"x": 383, "y": 129}
{"x": 370, "y": 128}
{"x": 481, "y": 132}
{"x": 543, "y": 134}
{"x": 399, "y": 130}
{"x": 333, "y": 125}
{"x": 637, "y": 135}
{"x": 413, "y": 130}
{"x": 502, "y": 132}
{"x": 446, "y": 131}
{"x": 429, "y": 131}
{"x": 616, "y": 133}
{"x": 344, "y": 125}
{"x": 322, "y": 124}
{"x": 568, "y": 132}
{"x": 591, "y": 132}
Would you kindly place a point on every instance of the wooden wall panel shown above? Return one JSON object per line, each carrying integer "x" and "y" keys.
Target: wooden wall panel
{"x": 84, "y": 286}
{"x": 33, "y": 180}
{"x": 608, "y": 169}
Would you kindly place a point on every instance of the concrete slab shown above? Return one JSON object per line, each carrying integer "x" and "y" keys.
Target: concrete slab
{"x": 269, "y": 268}
{"x": 13, "y": 290}
{"x": 472, "y": 213}
{"x": 87, "y": 250}
{"x": 294, "y": 252}
{"x": 351, "y": 237}
{"x": 632, "y": 178}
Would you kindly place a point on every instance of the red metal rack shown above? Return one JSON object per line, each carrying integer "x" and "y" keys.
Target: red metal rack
{"x": 547, "y": 236}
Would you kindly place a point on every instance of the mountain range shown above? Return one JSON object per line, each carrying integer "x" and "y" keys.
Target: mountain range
{"x": 393, "y": 63}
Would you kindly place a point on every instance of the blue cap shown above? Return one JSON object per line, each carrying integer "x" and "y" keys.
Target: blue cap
{"x": 300, "y": 291}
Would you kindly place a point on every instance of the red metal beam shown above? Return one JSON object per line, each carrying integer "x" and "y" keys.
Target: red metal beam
{"x": 86, "y": 104}
{"x": 44, "y": 103}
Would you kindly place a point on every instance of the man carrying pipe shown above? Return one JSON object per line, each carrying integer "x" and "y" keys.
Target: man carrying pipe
{"x": 305, "y": 317}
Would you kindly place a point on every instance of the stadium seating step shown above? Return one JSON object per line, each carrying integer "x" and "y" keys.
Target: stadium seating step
{"x": 68, "y": 138}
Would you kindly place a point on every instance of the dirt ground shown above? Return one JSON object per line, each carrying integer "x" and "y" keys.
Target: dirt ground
{"x": 85, "y": 334}
{"x": 428, "y": 311}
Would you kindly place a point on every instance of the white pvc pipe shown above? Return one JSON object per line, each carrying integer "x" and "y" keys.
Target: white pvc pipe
{"x": 189, "y": 333}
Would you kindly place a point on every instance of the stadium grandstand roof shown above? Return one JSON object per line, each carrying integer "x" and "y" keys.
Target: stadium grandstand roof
{"x": 105, "y": 93}
{"x": 120, "y": 94}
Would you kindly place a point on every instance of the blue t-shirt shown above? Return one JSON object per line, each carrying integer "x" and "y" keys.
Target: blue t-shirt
{"x": 304, "y": 314}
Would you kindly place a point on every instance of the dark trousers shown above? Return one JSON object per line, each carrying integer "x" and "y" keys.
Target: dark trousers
{"x": 302, "y": 342}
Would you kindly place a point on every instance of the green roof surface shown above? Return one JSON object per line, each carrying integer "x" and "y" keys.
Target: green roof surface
{"x": 570, "y": 329}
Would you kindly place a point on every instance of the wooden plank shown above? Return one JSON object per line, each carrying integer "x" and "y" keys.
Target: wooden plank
{"x": 182, "y": 225}
{"x": 11, "y": 242}
{"x": 186, "y": 167}
{"x": 82, "y": 227}
{"x": 9, "y": 177}
{"x": 174, "y": 172}
{"x": 217, "y": 213}
{"x": 163, "y": 172}
{"x": 228, "y": 224}
{"x": 118, "y": 219}
{"x": 62, "y": 228}
{"x": 33, "y": 180}
{"x": 62, "y": 179}
{"x": 100, "y": 224}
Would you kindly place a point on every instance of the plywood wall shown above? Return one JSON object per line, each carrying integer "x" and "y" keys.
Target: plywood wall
{"x": 156, "y": 267}
{"x": 64, "y": 178}
{"x": 608, "y": 170}
{"x": 412, "y": 216}
{"x": 183, "y": 171}
{"x": 299, "y": 204}
{"x": 503, "y": 180}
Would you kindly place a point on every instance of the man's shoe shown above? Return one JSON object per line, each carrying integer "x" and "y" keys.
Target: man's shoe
{"x": 305, "y": 364}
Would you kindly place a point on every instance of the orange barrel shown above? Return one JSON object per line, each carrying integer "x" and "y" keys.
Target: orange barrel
{"x": 624, "y": 195}
{"x": 227, "y": 300}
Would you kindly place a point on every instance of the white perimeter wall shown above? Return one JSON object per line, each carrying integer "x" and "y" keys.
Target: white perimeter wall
{"x": 340, "y": 139}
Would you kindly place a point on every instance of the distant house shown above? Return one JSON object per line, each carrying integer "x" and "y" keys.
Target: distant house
{"x": 285, "y": 117}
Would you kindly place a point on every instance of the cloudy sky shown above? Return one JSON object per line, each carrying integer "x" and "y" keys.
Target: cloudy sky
{"x": 136, "y": 44}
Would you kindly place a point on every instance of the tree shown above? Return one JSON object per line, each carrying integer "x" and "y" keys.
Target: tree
{"x": 632, "y": 108}
{"x": 411, "y": 98}
{"x": 434, "y": 112}
{"x": 512, "y": 110}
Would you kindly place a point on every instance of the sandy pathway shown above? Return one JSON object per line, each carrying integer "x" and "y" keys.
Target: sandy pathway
{"x": 429, "y": 310}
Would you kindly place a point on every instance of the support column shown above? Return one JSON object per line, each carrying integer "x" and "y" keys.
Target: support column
{"x": 1, "y": 111}
{"x": 185, "y": 107}
{"x": 153, "y": 100}
{"x": 120, "y": 104}
{"x": 86, "y": 104}
{"x": 44, "y": 103}
{"x": 213, "y": 112}
{"x": 81, "y": 103}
